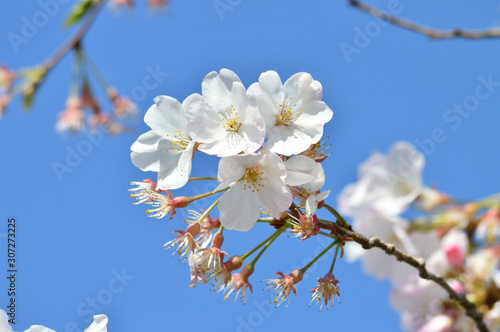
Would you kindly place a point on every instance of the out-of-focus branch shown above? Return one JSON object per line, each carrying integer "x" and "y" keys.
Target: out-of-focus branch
{"x": 69, "y": 45}
{"x": 427, "y": 31}
{"x": 419, "y": 264}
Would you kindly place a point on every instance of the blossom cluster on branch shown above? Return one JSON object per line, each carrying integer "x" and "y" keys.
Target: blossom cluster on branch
{"x": 267, "y": 138}
{"x": 457, "y": 240}
{"x": 82, "y": 106}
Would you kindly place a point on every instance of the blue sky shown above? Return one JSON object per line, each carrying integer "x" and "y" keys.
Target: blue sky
{"x": 80, "y": 238}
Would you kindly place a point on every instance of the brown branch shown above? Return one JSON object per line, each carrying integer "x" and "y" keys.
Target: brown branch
{"x": 72, "y": 43}
{"x": 425, "y": 30}
{"x": 419, "y": 264}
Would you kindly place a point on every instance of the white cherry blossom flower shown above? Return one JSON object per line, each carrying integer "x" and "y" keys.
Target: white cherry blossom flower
{"x": 387, "y": 184}
{"x": 167, "y": 148}
{"x": 226, "y": 122}
{"x": 256, "y": 181}
{"x": 293, "y": 112}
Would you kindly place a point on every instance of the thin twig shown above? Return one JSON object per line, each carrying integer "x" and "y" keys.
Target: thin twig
{"x": 425, "y": 30}
{"x": 419, "y": 264}
{"x": 74, "y": 42}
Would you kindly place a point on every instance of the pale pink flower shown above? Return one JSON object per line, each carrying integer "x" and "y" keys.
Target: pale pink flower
{"x": 326, "y": 291}
{"x": 227, "y": 121}
{"x": 416, "y": 294}
{"x": 284, "y": 286}
{"x": 386, "y": 185}
{"x": 393, "y": 230}
{"x": 439, "y": 323}
{"x": 451, "y": 255}
{"x": 293, "y": 112}
{"x": 72, "y": 118}
{"x": 257, "y": 180}
{"x": 167, "y": 148}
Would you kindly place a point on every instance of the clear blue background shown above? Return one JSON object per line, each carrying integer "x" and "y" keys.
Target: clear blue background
{"x": 73, "y": 234}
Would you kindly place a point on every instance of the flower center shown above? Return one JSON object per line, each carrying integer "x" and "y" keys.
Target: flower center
{"x": 181, "y": 141}
{"x": 288, "y": 114}
{"x": 230, "y": 119}
{"x": 253, "y": 179}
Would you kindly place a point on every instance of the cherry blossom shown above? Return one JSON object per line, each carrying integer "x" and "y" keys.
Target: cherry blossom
{"x": 167, "y": 148}
{"x": 72, "y": 118}
{"x": 387, "y": 184}
{"x": 227, "y": 121}
{"x": 293, "y": 112}
{"x": 257, "y": 180}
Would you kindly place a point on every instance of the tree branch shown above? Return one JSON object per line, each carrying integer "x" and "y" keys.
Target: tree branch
{"x": 427, "y": 31}
{"x": 419, "y": 264}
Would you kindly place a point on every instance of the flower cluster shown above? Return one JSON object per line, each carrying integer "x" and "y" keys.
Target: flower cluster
{"x": 259, "y": 134}
{"x": 268, "y": 140}
{"x": 459, "y": 242}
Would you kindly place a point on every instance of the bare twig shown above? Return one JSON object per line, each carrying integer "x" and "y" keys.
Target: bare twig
{"x": 75, "y": 40}
{"x": 428, "y": 31}
{"x": 419, "y": 264}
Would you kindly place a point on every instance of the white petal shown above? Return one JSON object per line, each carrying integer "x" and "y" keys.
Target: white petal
{"x": 322, "y": 195}
{"x": 152, "y": 157}
{"x": 177, "y": 175}
{"x": 271, "y": 85}
{"x": 311, "y": 205}
{"x": 287, "y": 140}
{"x": 202, "y": 123}
{"x": 296, "y": 85}
{"x": 4, "y": 322}
{"x": 300, "y": 170}
{"x": 99, "y": 324}
{"x": 239, "y": 208}
{"x": 353, "y": 251}
{"x": 39, "y": 328}
{"x": 216, "y": 88}
{"x": 275, "y": 197}
{"x": 166, "y": 116}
